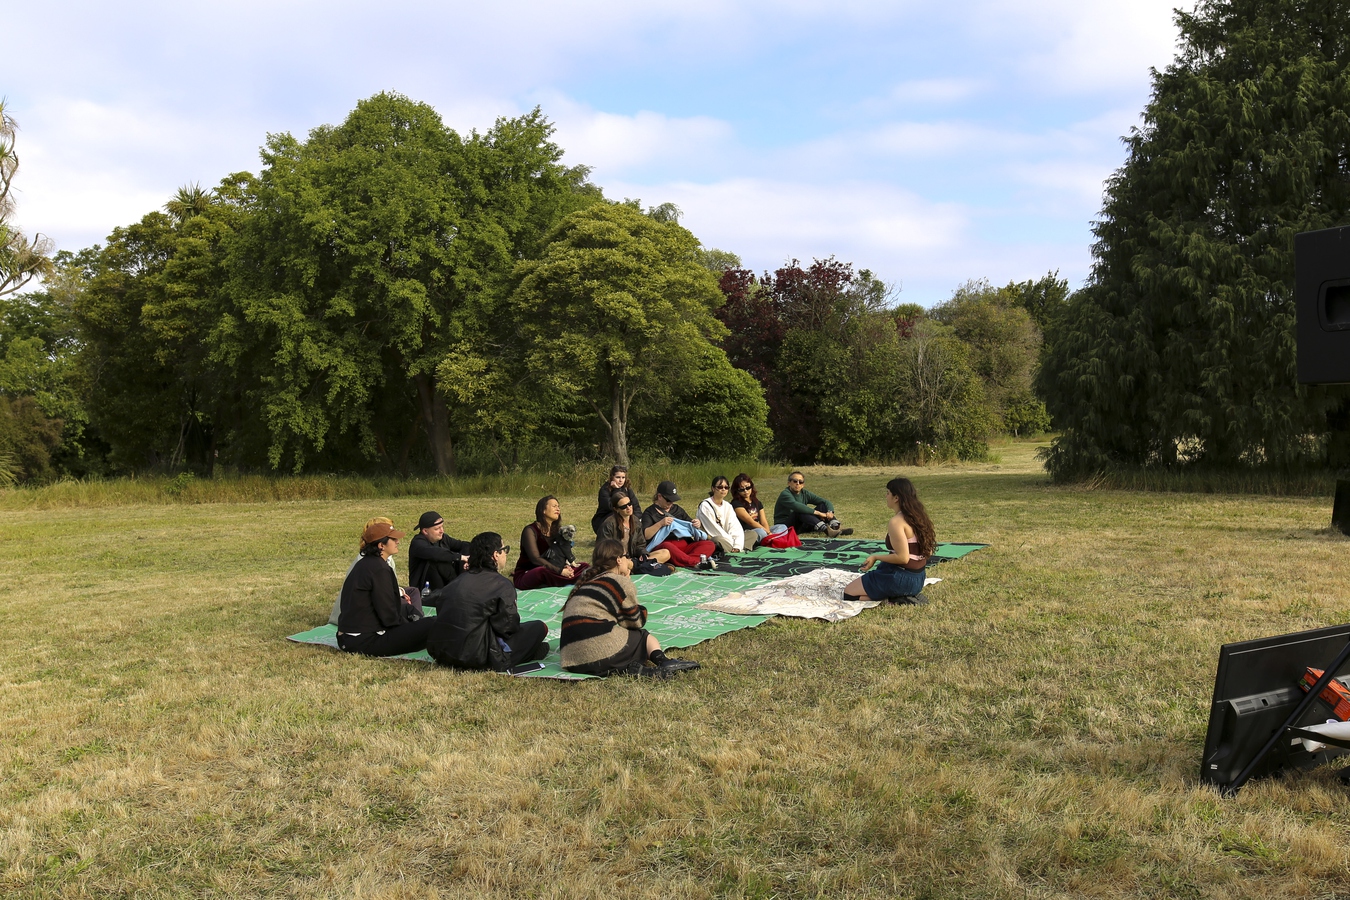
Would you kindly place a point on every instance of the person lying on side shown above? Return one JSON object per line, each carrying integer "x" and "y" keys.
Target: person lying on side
{"x": 622, "y": 526}
{"x": 719, "y": 518}
{"x": 375, "y": 620}
{"x": 478, "y": 625}
{"x": 603, "y": 629}
{"x": 665, "y": 509}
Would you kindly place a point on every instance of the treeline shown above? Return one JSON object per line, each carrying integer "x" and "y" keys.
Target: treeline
{"x": 388, "y": 296}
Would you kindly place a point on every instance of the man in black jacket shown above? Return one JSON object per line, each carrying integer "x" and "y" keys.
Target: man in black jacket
{"x": 478, "y": 625}
{"x": 434, "y": 556}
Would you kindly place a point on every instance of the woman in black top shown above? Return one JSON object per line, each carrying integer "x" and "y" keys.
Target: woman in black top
{"x": 374, "y": 619}
{"x": 532, "y": 569}
{"x": 749, "y": 510}
{"x": 478, "y": 625}
{"x": 623, "y": 526}
{"x": 617, "y": 481}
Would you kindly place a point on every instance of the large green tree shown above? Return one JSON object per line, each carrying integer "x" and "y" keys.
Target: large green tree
{"x": 1181, "y": 346}
{"x": 373, "y": 247}
{"x": 619, "y": 306}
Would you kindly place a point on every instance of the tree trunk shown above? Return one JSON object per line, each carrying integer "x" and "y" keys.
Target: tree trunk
{"x": 436, "y": 417}
{"x": 618, "y": 423}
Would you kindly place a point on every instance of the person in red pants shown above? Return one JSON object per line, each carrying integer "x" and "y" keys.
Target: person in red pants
{"x": 533, "y": 567}
{"x": 665, "y": 508}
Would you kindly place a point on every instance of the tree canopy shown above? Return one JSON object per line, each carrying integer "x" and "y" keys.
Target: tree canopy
{"x": 1180, "y": 349}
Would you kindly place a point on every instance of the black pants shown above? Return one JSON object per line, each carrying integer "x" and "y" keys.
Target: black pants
{"x": 805, "y": 523}
{"x": 407, "y": 638}
{"x": 528, "y": 644}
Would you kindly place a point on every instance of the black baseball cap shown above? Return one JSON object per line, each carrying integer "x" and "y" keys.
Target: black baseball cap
{"x": 667, "y": 489}
{"x": 429, "y": 520}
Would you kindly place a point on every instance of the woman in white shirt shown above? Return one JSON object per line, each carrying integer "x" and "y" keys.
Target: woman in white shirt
{"x": 719, "y": 519}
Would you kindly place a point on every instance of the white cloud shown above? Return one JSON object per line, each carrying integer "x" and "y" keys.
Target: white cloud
{"x": 616, "y": 145}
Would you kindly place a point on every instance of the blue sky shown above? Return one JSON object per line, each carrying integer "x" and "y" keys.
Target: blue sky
{"x": 932, "y": 143}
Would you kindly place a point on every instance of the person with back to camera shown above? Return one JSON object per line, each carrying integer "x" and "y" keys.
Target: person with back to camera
{"x": 434, "y": 557}
{"x": 603, "y": 629}
{"x": 899, "y": 574}
{"x": 604, "y": 504}
{"x": 533, "y": 570}
{"x": 753, "y": 518}
{"x": 719, "y": 518}
{"x": 665, "y": 509}
{"x": 374, "y": 619}
{"x": 622, "y": 526}
{"x": 478, "y": 616}
{"x": 807, "y": 512}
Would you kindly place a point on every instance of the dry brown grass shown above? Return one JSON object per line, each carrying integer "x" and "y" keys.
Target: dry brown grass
{"x": 1034, "y": 732}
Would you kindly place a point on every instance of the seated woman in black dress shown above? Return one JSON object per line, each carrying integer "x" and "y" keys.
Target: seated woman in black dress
{"x": 623, "y": 526}
{"x": 602, "y": 623}
{"x": 617, "y": 481}
{"x": 375, "y": 619}
{"x": 533, "y": 570}
{"x": 478, "y": 625}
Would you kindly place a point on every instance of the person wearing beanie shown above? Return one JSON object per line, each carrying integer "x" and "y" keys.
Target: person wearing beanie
{"x": 374, "y": 619}
{"x": 435, "y": 557}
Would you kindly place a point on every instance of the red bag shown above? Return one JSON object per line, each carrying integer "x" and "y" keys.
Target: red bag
{"x": 783, "y": 540}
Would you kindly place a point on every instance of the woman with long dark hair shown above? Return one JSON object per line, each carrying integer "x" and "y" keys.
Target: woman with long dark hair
{"x": 604, "y": 505}
{"x": 533, "y": 569}
{"x": 750, "y": 511}
{"x": 622, "y": 525}
{"x": 603, "y": 629}
{"x": 910, "y": 540}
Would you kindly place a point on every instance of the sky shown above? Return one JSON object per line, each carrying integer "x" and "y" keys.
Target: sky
{"x": 931, "y": 143}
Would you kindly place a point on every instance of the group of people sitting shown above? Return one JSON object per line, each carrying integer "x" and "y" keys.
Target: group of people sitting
{"x": 477, "y": 624}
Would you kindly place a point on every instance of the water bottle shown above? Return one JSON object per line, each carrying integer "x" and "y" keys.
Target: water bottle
{"x": 426, "y": 588}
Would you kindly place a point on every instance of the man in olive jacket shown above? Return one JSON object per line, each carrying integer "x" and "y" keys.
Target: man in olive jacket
{"x": 800, "y": 509}
{"x": 478, "y": 625}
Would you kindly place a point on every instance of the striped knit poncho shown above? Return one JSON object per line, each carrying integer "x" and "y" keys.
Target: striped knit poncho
{"x": 597, "y": 619}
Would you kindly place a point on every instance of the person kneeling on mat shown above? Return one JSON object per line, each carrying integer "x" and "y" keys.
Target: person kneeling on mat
{"x": 910, "y": 540}
{"x": 602, "y": 626}
{"x": 478, "y": 625}
{"x": 374, "y": 619}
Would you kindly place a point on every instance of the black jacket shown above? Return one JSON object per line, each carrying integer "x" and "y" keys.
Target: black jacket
{"x": 602, "y": 507}
{"x": 370, "y": 598}
{"x": 438, "y": 563}
{"x": 477, "y": 608}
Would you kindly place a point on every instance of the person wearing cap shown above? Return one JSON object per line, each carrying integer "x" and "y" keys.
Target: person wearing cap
{"x": 435, "y": 557}
{"x": 374, "y": 619}
{"x": 665, "y": 508}
{"x": 806, "y": 512}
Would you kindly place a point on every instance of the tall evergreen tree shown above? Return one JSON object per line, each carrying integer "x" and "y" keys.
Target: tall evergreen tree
{"x": 1181, "y": 346}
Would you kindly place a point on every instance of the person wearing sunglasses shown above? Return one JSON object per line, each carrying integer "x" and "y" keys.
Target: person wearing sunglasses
{"x": 754, "y": 519}
{"x": 622, "y": 525}
{"x": 617, "y": 481}
{"x": 719, "y": 518}
{"x": 807, "y": 512}
{"x": 478, "y": 625}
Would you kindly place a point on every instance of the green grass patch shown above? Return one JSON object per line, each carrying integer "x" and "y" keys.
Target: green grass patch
{"x": 1035, "y": 731}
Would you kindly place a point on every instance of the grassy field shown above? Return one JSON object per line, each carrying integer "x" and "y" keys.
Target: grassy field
{"x": 1033, "y": 732}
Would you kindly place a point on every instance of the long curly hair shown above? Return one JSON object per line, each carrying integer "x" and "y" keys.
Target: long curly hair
{"x": 911, "y": 507}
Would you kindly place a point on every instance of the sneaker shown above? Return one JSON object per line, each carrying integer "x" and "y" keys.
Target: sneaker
{"x": 916, "y": 600}
{"x": 832, "y": 529}
{"x": 671, "y": 664}
{"x": 845, "y": 532}
{"x": 706, "y": 565}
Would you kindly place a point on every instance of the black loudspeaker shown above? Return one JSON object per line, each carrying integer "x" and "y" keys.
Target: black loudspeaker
{"x": 1322, "y": 300}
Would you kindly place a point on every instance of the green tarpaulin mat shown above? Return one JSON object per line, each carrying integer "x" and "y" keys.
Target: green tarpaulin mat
{"x": 819, "y": 554}
{"x": 672, "y": 611}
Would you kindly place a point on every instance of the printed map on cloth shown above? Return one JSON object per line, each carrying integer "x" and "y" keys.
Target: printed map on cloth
{"x": 767, "y": 563}
{"x": 814, "y": 595}
{"x": 673, "y": 615}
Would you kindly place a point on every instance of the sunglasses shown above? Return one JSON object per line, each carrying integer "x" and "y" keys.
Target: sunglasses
{"x": 720, "y": 487}
{"x": 745, "y": 488}
{"x": 624, "y": 506}
{"x": 504, "y": 548}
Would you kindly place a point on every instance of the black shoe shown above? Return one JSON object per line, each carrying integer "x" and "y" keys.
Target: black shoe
{"x": 678, "y": 665}
{"x": 916, "y": 600}
{"x": 640, "y": 670}
{"x": 845, "y": 532}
